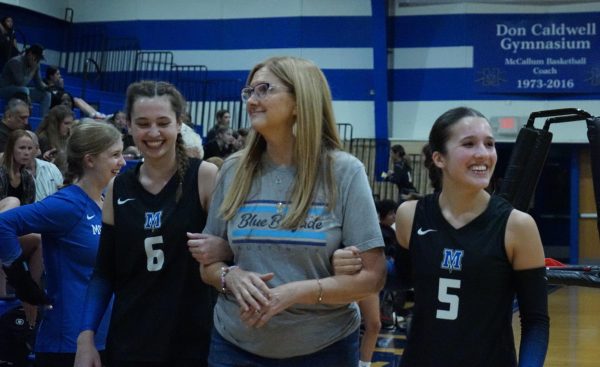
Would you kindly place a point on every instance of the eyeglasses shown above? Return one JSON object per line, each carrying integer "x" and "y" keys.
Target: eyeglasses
{"x": 259, "y": 91}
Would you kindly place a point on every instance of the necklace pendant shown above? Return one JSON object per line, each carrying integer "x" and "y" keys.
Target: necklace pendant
{"x": 279, "y": 207}
{"x": 278, "y": 180}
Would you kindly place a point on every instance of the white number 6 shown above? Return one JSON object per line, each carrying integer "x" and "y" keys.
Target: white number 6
{"x": 451, "y": 299}
{"x": 155, "y": 257}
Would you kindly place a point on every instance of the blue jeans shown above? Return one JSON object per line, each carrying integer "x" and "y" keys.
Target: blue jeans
{"x": 343, "y": 353}
{"x": 37, "y": 95}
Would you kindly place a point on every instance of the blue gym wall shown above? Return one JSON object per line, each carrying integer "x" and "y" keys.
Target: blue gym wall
{"x": 430, "y": 50}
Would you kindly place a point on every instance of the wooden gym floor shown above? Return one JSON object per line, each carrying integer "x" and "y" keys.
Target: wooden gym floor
{"x": 574, "y": 331}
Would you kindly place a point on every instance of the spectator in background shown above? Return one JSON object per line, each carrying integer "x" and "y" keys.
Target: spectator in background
{"x": 8, "y": 41}
{"x": 239, "y": 139}
{"x": 401, "y": 175}
{"x": 118, "y": 119}
{"x": 15, "y": 180}
{"x": 53, "y": 133}
{"x": 19, "y": 71}
{"x": 17, "y": 187}
{"x": 221, "y": 145}
{"x": 16, "y": 116}
{"x": 398, "y": 280}
{"x": 223, "y": 120}
{"x": 47, "y": 176}
{"x": 56, "y": 87}
{"x": 370, "y": 315}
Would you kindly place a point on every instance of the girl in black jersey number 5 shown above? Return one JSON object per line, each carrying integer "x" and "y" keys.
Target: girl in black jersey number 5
{"x": 162, "y": 313}
{"x": 471, "y": 252}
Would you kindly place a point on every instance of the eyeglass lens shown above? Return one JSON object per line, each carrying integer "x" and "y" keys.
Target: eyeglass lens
{"x": 259, "y": 91}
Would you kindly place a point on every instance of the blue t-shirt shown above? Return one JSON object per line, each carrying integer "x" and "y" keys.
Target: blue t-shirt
{"x": 70, "y": 223}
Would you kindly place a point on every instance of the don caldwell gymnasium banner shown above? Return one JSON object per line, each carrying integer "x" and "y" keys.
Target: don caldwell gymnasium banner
{"x": 537, "y": 53}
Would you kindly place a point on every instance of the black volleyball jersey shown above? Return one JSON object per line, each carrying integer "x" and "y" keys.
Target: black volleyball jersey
{"x": 463, "y": 289}
{"x": 162, "y": 309}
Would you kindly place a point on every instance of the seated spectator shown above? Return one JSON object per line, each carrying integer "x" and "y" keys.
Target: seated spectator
{"x": 223, "y": 120}
{"x": 240, "y": 141}
{"x": 118, "y": 120}
{"x": 19, "y": 71}
{"x": 8, "y": 41}
{"x": 16, "y": 116}
{"x": 56, "y": 86}
{"x": 48, "y": 178}
{"x": 17, "y": 187}
{"x": 221, "y": 145}
{"x": 15, "y": 179}
{"x": 53, "y": 133}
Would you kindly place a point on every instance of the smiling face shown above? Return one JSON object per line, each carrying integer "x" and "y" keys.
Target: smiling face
{"x": 24, "y": 151}
{"x": 154, "y": 127}
{"x": 107, "y": 164}
{"x": 275, "y": 112}
{"x": 470, "y": 156}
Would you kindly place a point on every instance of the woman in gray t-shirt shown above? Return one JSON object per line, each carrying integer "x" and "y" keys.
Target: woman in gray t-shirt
{"x": 285, "y": 203}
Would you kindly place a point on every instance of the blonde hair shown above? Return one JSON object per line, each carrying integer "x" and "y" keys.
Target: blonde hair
{"x": 89, "y": 138}
{"x": 316, "y": 137}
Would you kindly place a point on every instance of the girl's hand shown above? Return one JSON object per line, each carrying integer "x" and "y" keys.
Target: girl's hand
{"x": 346, "y": 261}
{"x": 248, "y": 288}
{"x": 282, "y": 297}
{"x": 208, "y": 249}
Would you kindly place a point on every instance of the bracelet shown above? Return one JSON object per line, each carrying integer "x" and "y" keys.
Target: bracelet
{"x": 224, "y": 271}
{"x": 320, "y": 296}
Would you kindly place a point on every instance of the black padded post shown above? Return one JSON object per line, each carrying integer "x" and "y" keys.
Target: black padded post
{"x": 525, "y": 166}
{"x": 593, "y": 134}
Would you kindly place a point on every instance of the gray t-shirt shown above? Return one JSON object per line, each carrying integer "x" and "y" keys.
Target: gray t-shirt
{"x": 261, "y": 246}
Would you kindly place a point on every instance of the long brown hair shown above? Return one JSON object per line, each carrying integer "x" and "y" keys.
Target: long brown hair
{"x": 49, "y": 130}
{"x": 150, "y": 89}
{"x": 316, "y": 137}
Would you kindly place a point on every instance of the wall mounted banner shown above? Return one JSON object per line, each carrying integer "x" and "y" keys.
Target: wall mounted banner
{"x": 537, "y": 53}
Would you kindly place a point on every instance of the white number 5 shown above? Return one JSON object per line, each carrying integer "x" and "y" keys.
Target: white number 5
{"x": 451, "y": 299}
{"x": 155, "y": 257}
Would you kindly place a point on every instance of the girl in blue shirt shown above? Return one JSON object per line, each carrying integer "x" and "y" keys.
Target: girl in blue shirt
{"x": 70, "y": 223}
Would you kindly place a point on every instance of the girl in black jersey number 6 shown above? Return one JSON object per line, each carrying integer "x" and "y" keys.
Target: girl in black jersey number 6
{"x": 162, "y": 313}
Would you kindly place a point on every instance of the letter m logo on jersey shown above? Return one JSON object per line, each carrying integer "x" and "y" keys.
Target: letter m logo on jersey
{"x": 452, "y": 259}
{"x": 153, "y": 220}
